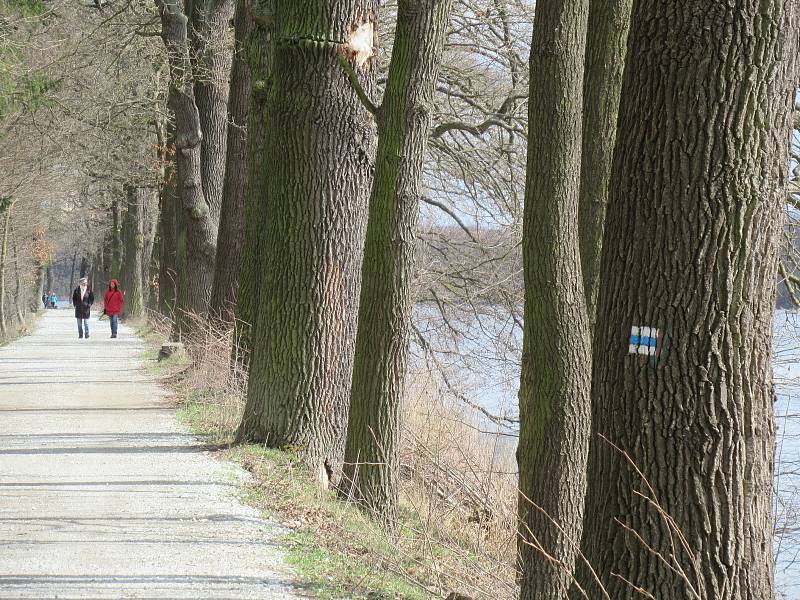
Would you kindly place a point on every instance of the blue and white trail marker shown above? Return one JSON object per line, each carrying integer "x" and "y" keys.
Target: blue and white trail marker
{"x": 644, "y": 340}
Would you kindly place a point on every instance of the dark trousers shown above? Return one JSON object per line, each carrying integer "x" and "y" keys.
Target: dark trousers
{"x": 83, "y": 327}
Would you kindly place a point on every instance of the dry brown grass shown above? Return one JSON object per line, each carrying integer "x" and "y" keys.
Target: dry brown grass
{"x": 458, "y": 485}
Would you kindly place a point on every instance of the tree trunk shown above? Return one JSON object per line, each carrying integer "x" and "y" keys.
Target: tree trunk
{"x": 320, "y": 145}
{"x": 231, "y": 224}
{"x": 200, "y": 225}
{"x": 18, "y": 298}
{"x": 84, "y": 268}
{"x": 133, "y": 242}
{"x": 37, "y": 301}
{"x": 260, "y": 53}
{"x": 72, "y": 278}
{"x": 606, "y": 45}
{"x": 3, "y": 254}
{"x": 149, "y": 218}
{"x": 168, "y": 245}
{"x": 211, "y": 71}
{"x": 680, "y": 470}
{"x": 371, "y": 461}
{"x": 49, "y": 278}
{"x": 116, "y": 239}
{"x": 556, "y": 370}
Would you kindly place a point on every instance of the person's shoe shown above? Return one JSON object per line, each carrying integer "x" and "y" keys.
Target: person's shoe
{"x": 80, "y": 337}
{"x": 113, "y": 335}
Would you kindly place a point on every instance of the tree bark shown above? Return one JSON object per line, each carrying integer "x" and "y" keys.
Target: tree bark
{"x": 260, "y": 57}
{"x": 199, "y": 222}
{"x": 211, "y": 71}
{"x": 168, "y": 246}
{"x": 149, "y": 218}
{"x": 680, "y": 469}
{"x": 606, "y": 45}
{"x": 555, "y": 384}
{"x": 231, "y": 224}
{"x": 18, "y": 297}
{"x": 3, "y": 254}
{"x": 371, "y": 461}
{"x": 319, "y": 152}
{"x": 133, "y": 241}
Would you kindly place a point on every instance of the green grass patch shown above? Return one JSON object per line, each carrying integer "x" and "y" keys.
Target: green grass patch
{"x": 336, "y": 550}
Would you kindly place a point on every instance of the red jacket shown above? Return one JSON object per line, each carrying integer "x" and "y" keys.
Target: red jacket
{"x": 113, "y": 299}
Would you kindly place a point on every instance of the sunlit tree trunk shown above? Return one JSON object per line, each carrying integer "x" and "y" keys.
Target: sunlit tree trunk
{"x": 556, "y": 368}
{"x": 199, "y": 224}
{"x": 681, "y": 459}
{"x": 231, "y": 224}
{"x": 6, "y": 221}
{"x": 319, "y": 153}
{"x": 384, "y": 319}
{"x": 133, "y": 241}
{"x": 606, "y": 46}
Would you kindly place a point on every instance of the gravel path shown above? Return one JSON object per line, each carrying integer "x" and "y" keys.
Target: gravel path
{"x": 103, "y": 495}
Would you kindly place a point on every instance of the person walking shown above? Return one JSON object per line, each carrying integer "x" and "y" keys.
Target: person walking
{"x": 53, "y": 300}
{"x": 82, "y": 300}
{"x": 113, "y": 301}
{"x": 44, "y": 300}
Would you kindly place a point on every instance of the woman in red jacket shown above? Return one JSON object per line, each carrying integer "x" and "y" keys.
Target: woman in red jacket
{"x": 113, "y": 301}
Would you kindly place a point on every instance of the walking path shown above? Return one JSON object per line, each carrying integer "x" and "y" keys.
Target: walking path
{"x": 103, "y": 495}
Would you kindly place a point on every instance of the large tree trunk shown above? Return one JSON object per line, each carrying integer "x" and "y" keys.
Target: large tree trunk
{"x": 18, "y": 297}
{"x": 260, "y": 52}
{"x": 231, "y": 224}
{"x": 6, "y": 220}
{"x": 556, "y": 369}
{"x": 211, "y": 69}
{"x": 320, "y": 145}
{"x": 384, "y": 320}
{"x": 168, "y": 234}
{"x": 199, "y": 222}
{"x": 606, "y": 46}
{"x": 133, "y": 241}
{"x": 680, "y": 470}
{"x": 72, "y": 279}
{"x": 149, "y": 219}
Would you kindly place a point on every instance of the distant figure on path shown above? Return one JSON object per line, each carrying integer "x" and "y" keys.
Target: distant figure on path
{"x": 113, "y": 301}
{"x": 53, "y": 299}
{"x": 44, "y": 300}
{"x": 82, "y": 300}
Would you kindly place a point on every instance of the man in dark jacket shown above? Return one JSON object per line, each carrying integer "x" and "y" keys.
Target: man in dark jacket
{"x": 82, "y": 300}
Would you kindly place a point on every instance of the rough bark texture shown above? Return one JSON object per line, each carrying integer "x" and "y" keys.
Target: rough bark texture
{"x": 231, "y": 224}
{"x": 259, "y": 58}
{"x": 384, "y": 319}
{"x": 6, "y": 220}
{"x": 168, "y": 245}
{"x": 211, "y": 69}
{"x": 696, "y": 208}
{"x": 319, "y": 150}
{"x": 133, "y": 241}
{"x": 199, "y": 223}
{"x": 116, "y": 240}
{"x": 606, "y": 45}
{"x": 556, "y": 370}
{"x": 18, "y": 294}
{"x": 149, "y": 224}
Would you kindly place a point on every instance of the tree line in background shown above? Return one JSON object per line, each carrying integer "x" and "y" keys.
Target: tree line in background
{"x": 262, "y": 166}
